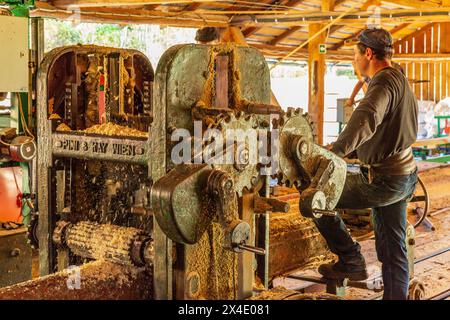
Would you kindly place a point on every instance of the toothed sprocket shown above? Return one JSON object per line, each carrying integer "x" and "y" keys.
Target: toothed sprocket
{"x": 245, "y": 172}
{"x": 290, "y": 124}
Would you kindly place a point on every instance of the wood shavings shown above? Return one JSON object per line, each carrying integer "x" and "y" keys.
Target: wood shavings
{"x": 54, "y": 116}
{"x": 281, "y": 293}
{"x": 112, "y": 129}
{"x": 63, "y": 128}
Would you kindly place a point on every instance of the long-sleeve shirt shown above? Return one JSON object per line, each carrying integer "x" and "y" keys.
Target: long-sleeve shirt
{"x": 384, "y": 123}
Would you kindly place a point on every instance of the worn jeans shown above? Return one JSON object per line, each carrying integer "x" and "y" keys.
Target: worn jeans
{"x": 387, "y": 196}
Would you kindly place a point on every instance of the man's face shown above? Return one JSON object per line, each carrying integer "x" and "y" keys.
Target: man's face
{"x": 362, "y": 60}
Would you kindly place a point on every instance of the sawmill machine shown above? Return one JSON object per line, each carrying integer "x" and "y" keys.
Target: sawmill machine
{"x": 158, "y": 172}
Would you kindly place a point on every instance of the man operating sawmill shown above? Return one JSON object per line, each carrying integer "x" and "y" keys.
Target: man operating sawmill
{"x": 381, "y": 131}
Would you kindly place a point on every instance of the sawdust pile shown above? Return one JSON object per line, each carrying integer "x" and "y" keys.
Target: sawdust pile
{"x": 216, "y": 267}
{"x": 63, "y": 128}
{"x": 112, "y": 129}
{"x": 54, "y": 116}
{"x": 281, "y": 293}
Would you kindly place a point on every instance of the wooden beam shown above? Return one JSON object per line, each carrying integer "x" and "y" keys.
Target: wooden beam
{"x": 128, "y": 16}
{"x": 193, "y": 6}
{"x": 328, "y": 5}
{"x": 290, "y": 18}
{"x": 113, "y": 3}
{"x": 366, "y": 5}
{"x": 412, "y": 3}
{"x": 151, "y": 7}
{"x": 284, "y": 35}
{"x": 341, "y": 43}
{"x": 251, "y": 30}
{"x": 248, "y": 8}
{"x": 396, "y": 29}
{"x": 279, "y": 51}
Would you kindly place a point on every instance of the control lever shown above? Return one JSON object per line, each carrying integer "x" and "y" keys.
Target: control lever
{"x": 323, "y": 212}
{"x": 256, "y": 250}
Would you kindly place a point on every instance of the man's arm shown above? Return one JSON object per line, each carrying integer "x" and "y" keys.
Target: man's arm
{"x": 355, "y": 91}
{"x": 364, "y": 120}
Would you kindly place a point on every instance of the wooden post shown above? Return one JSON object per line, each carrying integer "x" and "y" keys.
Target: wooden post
{"x": 316, "y": 81}
{"x": 316, "y": 73}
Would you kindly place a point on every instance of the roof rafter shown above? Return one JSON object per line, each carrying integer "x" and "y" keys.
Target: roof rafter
{"x": 290, "y": 3}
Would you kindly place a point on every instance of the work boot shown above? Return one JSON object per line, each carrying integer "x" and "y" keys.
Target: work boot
{"x": 340, "y": 271}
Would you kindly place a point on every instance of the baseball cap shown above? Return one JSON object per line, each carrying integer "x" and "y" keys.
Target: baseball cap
{"x": 378, "y": 39}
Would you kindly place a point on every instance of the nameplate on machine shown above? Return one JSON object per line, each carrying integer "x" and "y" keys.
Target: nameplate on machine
{"x": 103, "y": 148}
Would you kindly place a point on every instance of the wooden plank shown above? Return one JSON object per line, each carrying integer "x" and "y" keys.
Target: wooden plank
{"x": 444, "y": 80}
{"x": 429, "y": 38}
{"x": 425, "y": 85}
{"x": 439, "y": 92}
{"x": 432, "y": 78}
{"x": 411, "y": 76}
{"x": 447, "y": 78}
{"x": 417, "y": 76}
{"x": 436, "y": 31}
{"x": 445, "y": 32}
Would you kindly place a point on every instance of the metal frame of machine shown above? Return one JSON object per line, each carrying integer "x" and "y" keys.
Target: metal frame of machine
{"x": 202, "y": 216}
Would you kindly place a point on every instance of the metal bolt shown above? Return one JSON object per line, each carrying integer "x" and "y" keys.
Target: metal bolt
{"x": 15, "y": 252}
{"x": 303, "y": 148}
{"x": 229, "y": 184}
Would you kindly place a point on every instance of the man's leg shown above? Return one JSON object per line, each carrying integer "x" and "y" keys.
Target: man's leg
{"x": 338, "y": 238}
{"x": 358, "y": 193}
{"x": 390, "y": 237}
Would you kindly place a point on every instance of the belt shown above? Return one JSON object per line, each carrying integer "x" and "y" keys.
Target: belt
{"x": 400, "y": 164}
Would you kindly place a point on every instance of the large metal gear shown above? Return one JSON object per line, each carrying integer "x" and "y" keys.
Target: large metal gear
{"x": 243, "y": 172}
{"x": 290, "y": 124}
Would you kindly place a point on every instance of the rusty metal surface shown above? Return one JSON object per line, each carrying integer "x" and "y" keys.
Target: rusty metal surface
{"x": 177, "y": 202}
{"x": 98, "y": 280}
{"x": 15, "y": 257}
{"x": 117, "y": 149}
{"x": 68, "y": 77}
{"x": 183, "y": 78}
